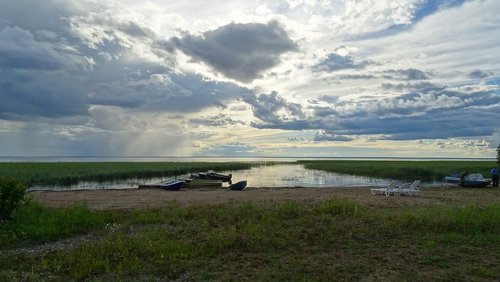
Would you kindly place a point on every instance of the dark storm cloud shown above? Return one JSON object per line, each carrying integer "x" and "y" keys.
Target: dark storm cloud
{"x": 61, "y": 60}
{"x": 239, "y": 51}
{"x": 167, "y": 93}
{"x": 19, "y": 50}
{"x": 336, "y": 62}
{"x": 33, "y": 81}
{"x": 47, "y": 95}
{"x": 272, "y": 108}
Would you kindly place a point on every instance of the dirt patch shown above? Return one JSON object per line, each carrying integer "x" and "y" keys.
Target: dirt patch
{"x": 121, "y": 199}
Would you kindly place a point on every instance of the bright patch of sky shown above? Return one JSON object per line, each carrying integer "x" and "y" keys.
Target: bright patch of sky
{"x": 412, "y": 78}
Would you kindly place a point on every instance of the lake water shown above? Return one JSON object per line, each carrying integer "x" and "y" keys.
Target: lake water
{"x": 282, "y": 175}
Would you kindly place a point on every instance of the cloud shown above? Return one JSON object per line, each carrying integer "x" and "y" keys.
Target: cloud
{"x": 94, "y": 59}
{"x": 430, "y": 7}
{"x": 20, "y": 51}
{"x": 272, "y": 108}
{"x": 220, "y": 120}
{"x": 336, "y": 62}
{"x": 322, "y": 136}
{"x": 431, "y": 114}
{"x": 407, "y": 74}
{"x": 478, "y": 74}
{"x": 239, "y": 51}
{"x": 393, "y": 19}
{"x": 420, "y": 85}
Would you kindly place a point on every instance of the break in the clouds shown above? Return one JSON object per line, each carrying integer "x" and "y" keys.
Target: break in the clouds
{"x": 247, "y": 78}
{"x": 239, "y": 51}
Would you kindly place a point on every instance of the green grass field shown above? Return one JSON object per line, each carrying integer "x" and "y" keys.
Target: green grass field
{"x": 335, "y": 239}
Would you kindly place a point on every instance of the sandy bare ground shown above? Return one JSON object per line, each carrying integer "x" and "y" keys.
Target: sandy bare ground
{"x": 153, "y": 198}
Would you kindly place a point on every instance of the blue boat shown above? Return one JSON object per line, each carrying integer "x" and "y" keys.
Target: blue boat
{"x": 173, "y": 185}
{"x": 238, "y": 185}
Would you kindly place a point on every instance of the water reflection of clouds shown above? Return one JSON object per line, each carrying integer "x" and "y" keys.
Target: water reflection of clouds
{"x": 295, "y": 175}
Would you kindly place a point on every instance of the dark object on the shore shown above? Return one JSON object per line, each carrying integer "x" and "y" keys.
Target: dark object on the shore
{"x": 172, "y": 185}
{"x": 148, "y": 186}
{"x": 213, "y": 175}
{"x": 471, "y": 180}
{"x": 203, "y": 183}
{"x": 238, "y": 185}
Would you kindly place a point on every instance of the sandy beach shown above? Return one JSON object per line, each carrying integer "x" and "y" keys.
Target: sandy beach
{"x": 122, "y": 199}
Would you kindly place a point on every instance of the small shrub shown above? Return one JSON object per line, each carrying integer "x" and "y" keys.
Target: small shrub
{"x": 12, "y": 194}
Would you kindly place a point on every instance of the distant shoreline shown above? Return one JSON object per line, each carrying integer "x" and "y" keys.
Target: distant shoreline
{"x": 216, "y": 159}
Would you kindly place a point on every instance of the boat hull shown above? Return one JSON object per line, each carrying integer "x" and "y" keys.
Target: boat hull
{"x": 213, "y": 176}
{"x": 238, "y": 185}
{"x": 172, "y": 185}
{"x": 473, "y": 180}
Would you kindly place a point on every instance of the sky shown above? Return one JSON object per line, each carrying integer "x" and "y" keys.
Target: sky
{"x": 285, "y": 78}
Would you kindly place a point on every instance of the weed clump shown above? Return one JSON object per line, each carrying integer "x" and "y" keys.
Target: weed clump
{"x": 12, "y": 194}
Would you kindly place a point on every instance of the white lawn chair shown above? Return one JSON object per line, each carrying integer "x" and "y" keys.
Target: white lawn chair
{"x": 381, "y": 190}
{"x": 398, "y": 190}
{"x": 412, "y": 189}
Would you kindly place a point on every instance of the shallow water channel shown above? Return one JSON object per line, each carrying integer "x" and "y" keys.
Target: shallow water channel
{"x": 282, "y": 175}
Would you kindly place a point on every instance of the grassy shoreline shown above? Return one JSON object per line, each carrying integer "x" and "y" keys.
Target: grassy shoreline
{"x": 334, "y": 239}
{"x": 402, "y": 170}
{"x": 67, "y": 173}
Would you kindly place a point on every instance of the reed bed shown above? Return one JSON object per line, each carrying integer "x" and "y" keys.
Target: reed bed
{"x": 403, "y": 170}
{"x": 68, "y": 173}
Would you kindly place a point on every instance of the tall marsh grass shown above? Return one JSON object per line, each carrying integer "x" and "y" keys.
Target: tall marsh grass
{"x": 404, "y": 170}
{"x": 68, "y": 173}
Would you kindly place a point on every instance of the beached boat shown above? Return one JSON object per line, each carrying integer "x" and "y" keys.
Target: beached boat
{"x": 173, "y": 185}
{"x": 240, "y": 185}
{"x": 470, "y": 180}
{"x": 148, "y": 186}
{"x": 213, "y": 175}
{"x": 203, "y": 183}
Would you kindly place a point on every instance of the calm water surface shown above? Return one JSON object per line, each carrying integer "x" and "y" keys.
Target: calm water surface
{"x": 286, "y": 175}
